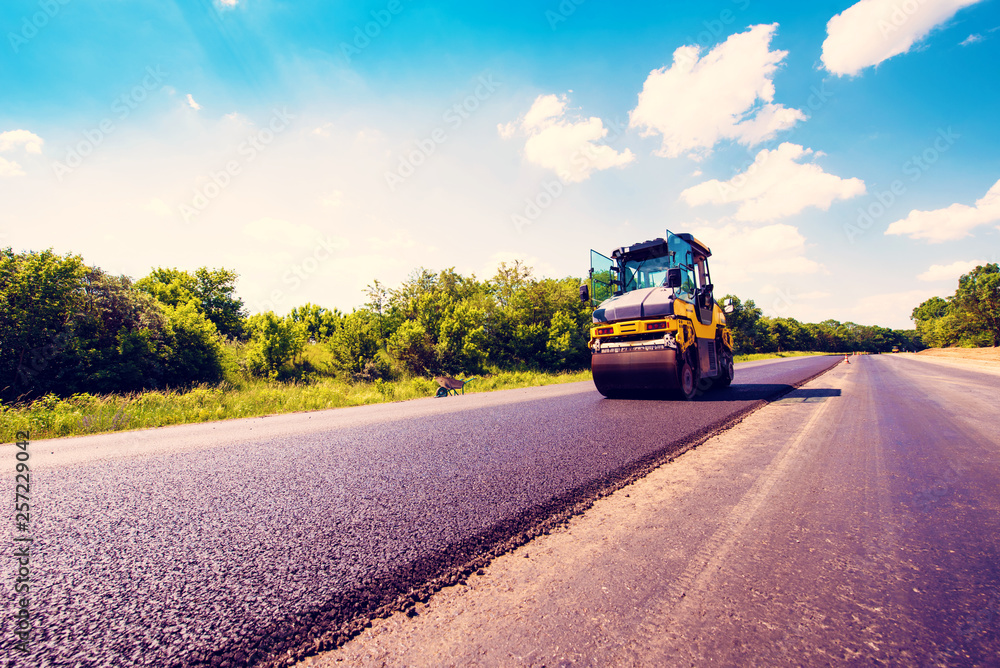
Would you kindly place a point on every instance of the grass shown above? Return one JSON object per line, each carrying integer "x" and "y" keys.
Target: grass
{"x": 81, "y": 414}
{"x": 766, "y": 356}
{"x": 53, "y": 417}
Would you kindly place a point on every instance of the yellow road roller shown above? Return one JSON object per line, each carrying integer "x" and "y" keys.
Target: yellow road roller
{"x": 656, "y": 325}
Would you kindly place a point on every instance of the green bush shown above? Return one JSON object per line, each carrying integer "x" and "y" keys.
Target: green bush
{"x": 274, "y": 342}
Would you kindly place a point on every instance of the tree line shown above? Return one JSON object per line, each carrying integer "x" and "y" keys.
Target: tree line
{"x": 66, "y": 327}
{"x": 969, "y": 318}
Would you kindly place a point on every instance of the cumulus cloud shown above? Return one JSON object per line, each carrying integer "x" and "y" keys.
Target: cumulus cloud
{"x": 776, "y": 185}
{"x": 11, "y": 139}
{"x": 159, "y": 207}
{"x": 953, "y": 222}
{"x": 323, "y": 130}
{"x": 726, "y": 94}
{"x": 568, "y": 146}
{"x": 871, "y": 31}
{"x": 333, "y": 200}
{"x": 8, "y": 169}
{"x": 892, "y": 309}
{"x": 282, "y": 232}
{"x": 191, "y": 103}
{"x": 949, "y": 272}
{"x": 740, "y": 252}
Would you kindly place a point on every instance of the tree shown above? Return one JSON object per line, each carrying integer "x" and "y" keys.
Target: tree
{"x": 413, "y": 348}
{"x": 216, "y": 289}
{"x": 212, "y": 290}
{"x": 40, "y": 297}
{"x": 320, "y": 323}
{"x": 194, "y": 351}
{"x": 978, "y": 298}
{"x": 782, "y": 333}
{"x": 355, "y": 343}
{"x": 273, "y": 343}
{"x": 750, "y": 331}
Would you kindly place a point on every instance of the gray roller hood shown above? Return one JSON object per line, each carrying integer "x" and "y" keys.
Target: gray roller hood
{"x": 644, "y": 303}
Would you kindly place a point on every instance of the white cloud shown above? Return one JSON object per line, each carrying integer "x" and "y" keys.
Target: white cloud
{"x": 191, "y": 103}
{"x": 872, "y": 31}
{"x": 9, "y": 168}
{"x": 237, "y": 118}
{"x": 726, "y": 94}
{"x": 971, "y": 39}
{"x": 777, "y": 184}
{"x": 953, "y": 222}
{"x": 949, "y": 272}
{"x": 282, "y": 232}
{"x": 159, "y": 207}
{"x": 11, "y": 139}
{"x": 740, "y": 252}
{"x": 333, "y": 200}
{"x": 568, "y": 147}
{"x": 229, "y": 4}
{"x": 323, "y": 130}
{"x": 891, "y": 309}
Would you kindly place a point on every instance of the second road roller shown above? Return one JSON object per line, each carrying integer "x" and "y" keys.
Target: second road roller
{"x": 657, "y": 328}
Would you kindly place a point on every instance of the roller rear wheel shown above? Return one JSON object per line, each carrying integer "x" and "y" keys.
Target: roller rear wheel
{"x": 728, "y": 371}
{"x": 687, "y": 378}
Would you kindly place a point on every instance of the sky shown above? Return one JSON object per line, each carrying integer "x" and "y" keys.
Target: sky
{"x": 841, "y": 160}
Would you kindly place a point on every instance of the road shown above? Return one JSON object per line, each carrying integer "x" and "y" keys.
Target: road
{"x": 229, "y": 543}
{"x": 856, "y": 521}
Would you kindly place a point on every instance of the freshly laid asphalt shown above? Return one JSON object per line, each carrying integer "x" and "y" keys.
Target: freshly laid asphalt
{"x": 854, "y": 522}
{"x": 248, "y": 541}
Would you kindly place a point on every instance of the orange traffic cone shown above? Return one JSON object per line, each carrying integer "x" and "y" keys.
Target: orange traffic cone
{"x": 847, "y": 360}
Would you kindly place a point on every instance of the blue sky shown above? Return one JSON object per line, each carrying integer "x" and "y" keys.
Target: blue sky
{"x": 841, "y": 159}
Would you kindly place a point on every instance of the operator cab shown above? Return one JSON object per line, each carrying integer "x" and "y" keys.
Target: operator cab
{"x": 679, "y": 262}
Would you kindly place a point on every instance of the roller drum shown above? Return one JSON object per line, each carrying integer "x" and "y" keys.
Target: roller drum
{"x": 623, "y": 372}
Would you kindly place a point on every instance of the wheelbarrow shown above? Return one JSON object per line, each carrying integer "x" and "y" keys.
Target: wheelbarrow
{"x": 450, "y": 385}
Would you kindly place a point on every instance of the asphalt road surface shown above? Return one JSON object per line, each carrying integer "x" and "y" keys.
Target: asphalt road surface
{"x": 854, "y": 522}
{"x": 232, "y": 543}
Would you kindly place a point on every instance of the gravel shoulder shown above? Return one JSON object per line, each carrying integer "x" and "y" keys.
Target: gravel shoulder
{"x": 986, "y": 360}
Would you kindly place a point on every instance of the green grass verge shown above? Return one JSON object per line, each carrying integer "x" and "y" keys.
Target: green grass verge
{"x": 52, "y": 417}
{"x": 766, "y": 356}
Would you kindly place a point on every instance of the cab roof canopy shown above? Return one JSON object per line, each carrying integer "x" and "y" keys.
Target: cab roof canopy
{"x": 699, "y": 248}
{"x": 658, "y": 248}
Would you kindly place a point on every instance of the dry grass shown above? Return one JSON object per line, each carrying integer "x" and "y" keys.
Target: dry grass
{"x": 978, "y": 354}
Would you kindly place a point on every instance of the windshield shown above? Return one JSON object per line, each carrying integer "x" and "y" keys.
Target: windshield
{"x": 648, "y": 273}
{"x": 651, "y": 272}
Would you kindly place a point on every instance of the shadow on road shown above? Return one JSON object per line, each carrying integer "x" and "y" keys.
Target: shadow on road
{"x": 742, "y": 393}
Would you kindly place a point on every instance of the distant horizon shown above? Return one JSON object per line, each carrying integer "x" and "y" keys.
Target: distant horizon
{"x": 839, "y": 158}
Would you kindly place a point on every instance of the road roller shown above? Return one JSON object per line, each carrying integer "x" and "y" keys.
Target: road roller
{"x": 657, "y": 329}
